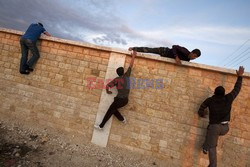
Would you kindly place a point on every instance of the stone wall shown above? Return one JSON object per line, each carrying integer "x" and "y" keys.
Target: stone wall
{"x": 55, "y": 94}
{"x": 161, "y": 122}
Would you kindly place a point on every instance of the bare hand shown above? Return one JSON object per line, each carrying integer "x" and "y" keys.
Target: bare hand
{"x": 109, "y": 92}
{"x": 204, "y": 114}
{"x": 240, "y": 71}
{"x": 48, "y": 34}
{"x": 130, "y": 49}
{"x": 177, "y": 60}
{"x": 134, "y": 53}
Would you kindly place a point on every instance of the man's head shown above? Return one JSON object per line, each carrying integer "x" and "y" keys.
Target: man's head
{"x": 194, "y": 54}
{"x": 219, "y": 91}
{"x": 120, "y": 71}
{"x": 40, "y": 24}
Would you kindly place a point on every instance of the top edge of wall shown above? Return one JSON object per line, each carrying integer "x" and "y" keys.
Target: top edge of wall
{"x": 141, "y": 55}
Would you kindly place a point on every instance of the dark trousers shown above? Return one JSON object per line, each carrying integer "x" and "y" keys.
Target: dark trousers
{"x": 26, "y": 45}
{"x": 162, "y": 51}
{"x": 113, "y": 109}
{"x": 210, "y": 144}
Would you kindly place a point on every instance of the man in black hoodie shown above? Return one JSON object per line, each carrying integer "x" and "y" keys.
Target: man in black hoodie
{"x": 219, "y": 116}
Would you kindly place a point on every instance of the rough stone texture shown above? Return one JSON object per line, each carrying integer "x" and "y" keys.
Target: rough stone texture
{"x": 161, "y": 122}
{"x": 101, "y": 138}
{"x": 55, "y": 94}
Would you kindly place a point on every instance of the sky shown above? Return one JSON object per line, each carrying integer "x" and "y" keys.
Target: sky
{"x": 220, "y": 29}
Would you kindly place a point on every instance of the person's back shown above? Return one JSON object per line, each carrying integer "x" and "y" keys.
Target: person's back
{"x": 220, "y": 104}
{"x": 219, "y": 116}
{"x": 28, "y": 42}
{"x": 121, "y": 84}
{"x": 219, "y": 109}
{"x": 182, "y": 53}
{"x": 33, "y": 32}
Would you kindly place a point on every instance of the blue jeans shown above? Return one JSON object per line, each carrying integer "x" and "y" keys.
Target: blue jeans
{"x": 26, "y": 45}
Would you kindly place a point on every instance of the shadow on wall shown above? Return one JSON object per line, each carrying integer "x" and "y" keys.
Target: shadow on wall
{"x": 192, "y": 92}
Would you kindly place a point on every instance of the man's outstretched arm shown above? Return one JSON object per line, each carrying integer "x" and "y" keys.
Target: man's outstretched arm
{"x": 232, "y": 95}
{"x": 176, "y": 49}
{"x": 128, "y": 72}
{"x": 46, "y": 33}
{"x": 132, "y": 60}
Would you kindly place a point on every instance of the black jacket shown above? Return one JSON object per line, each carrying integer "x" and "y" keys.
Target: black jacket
{"x": 220, "y": 106}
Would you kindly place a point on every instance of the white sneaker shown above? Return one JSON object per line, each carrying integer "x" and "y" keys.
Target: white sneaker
{"x": 98, "y": 127}
{"x": 124, "y": 121}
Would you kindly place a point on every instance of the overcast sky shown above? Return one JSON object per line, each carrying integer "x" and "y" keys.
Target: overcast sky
{"x": 220, "y": 29}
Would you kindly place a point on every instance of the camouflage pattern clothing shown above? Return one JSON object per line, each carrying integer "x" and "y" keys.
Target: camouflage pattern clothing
{"x": 176, "y": 50}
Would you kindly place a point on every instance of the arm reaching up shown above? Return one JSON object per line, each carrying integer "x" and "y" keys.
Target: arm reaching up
{"x": 177, "y": 60}
{"x": 128, "y": 72}
{"x": 240, "y": 71}
{"x": 232, "y": 95}
{"x": 133, "y": 58}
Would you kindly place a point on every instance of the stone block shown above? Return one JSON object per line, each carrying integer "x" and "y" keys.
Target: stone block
{"x": 61, "y": 52}
{"x": 53, "y": 51}
{"x": 195, "y": 72}
{"x": 77, "y": 49}
{"x": 102, "y": 67}
{"x": 116, "y": 138}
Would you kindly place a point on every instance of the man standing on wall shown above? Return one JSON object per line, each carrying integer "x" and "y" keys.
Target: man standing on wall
{"x": 28, "y": 42}
{"x": 176, "y": 52}
{"x": 219, "y": 116}
{"x": 121, "y": 83}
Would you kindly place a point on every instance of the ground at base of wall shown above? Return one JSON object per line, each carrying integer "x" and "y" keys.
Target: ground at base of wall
{"x": 20, "y": 147}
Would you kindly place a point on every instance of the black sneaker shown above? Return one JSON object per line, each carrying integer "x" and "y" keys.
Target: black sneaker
{"x": 205, "y": 151}
{"x": 24, "y": 72}
{"x": 30, "y": 69}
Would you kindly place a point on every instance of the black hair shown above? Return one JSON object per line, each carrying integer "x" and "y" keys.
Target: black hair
{"x": 120, "y": 71}
{"x": 40, "y": 24}
{"x": 197, "y": 52}
{"x": 219, "y": 91}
